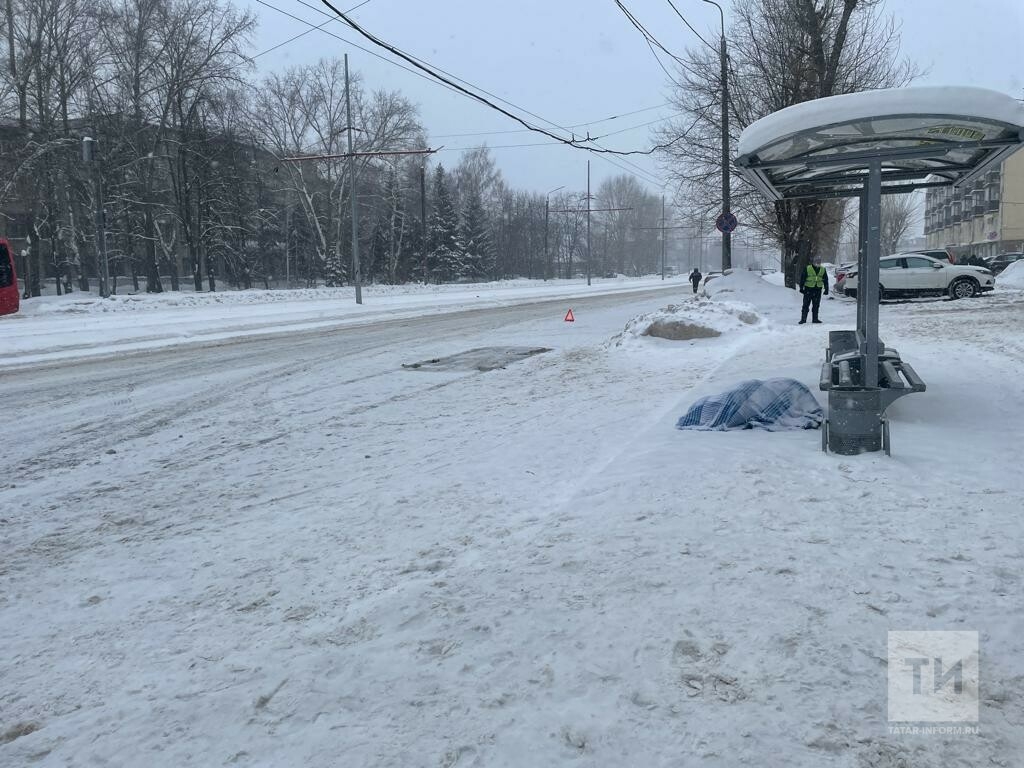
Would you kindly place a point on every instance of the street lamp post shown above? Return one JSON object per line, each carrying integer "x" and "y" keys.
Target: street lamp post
{"x": 547, "y": 211}
{"x": 662, "y": 237}
{"x": 726, "y": 236}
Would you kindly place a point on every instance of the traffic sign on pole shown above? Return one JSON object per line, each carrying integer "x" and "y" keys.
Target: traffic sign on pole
{"x": 726, "y": 222}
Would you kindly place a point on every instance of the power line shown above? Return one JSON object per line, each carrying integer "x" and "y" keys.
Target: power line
{"x": 575, "y": 125}
{"x": 698, "y": 34}
{"x": 303, "y": 34}
{"x": 652, "y": 40}
{"x": 643, "y": 125}
{"x": 496, "y": 146}
{"x": 637, "y": 171}
{"x": 349, "y": 42}
{"x": 427, "y": 66}
{"x": 626, "y": 114}
{"x": 664, "y": 69}
{"x": 573, "y": 142}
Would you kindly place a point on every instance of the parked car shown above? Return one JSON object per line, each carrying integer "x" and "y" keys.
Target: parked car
{"x": 919, "y": 275}
{"x": 942, "y": 254}
{"x": 998, "y": 263}
{"x": 839, "y": 282}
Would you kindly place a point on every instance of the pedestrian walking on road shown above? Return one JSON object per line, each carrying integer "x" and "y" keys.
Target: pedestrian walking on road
{"x": 695, "y": 278}
{"x": 811, "y": 286}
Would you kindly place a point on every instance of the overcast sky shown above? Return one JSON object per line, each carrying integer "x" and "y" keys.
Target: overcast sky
{"x": 580, "y": 61}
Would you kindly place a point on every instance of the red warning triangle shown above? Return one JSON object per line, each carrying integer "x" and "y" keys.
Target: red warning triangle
{"x": 569, "y": 318}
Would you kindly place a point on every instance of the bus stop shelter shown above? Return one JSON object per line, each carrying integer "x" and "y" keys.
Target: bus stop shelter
{"x": 866, "y": 145}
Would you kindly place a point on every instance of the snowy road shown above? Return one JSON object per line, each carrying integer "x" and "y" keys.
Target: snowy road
{"x": 291, "y": 551}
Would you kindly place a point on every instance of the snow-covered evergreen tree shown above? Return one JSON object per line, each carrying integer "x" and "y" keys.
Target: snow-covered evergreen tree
{"x": 478, "y": 262}
{"x": 334, "y": 269}
{"x": 446, "y": 248}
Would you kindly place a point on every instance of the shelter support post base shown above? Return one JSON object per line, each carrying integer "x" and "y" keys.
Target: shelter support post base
{"x": 856, "y": 422}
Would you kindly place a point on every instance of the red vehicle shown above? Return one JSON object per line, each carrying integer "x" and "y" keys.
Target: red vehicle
{"x": 9, "y": 300}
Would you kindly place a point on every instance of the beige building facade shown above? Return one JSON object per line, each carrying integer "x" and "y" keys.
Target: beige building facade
{"x": 983, "y": 220}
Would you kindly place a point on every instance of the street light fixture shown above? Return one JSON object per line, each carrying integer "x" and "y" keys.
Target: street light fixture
{"x": 726, "y": 236}
{"x": 547, "y": 209}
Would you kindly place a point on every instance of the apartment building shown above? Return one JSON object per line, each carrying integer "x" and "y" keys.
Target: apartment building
{"x": 984, "y": 220}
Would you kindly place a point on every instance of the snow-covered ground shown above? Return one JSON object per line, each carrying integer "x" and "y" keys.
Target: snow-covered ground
{"x": 80, "y": 324}
{"x": 289, "y": 550}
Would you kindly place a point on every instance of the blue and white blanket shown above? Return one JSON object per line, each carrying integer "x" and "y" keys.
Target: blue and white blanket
{"x": 772, "y": 404}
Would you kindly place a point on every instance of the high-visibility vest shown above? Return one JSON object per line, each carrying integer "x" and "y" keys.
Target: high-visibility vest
{"x": 815, "y": 279}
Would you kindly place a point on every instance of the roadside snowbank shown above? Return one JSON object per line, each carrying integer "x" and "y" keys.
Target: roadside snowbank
{"x": 87, "y": 302}
{"x": 769, "y": 297}
{"x": 699, "y": 319}
{"x": 740, "y": 301}
{"x": 1012, "y": 276}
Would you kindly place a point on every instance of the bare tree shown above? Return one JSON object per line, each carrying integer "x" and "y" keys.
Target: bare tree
{"x": 477, "y": 174}
{"x": 303, "y": 113}
{"x": 782, "y": 52}
{"x": 899, "y": 214}
{"x": 629, "y": 240}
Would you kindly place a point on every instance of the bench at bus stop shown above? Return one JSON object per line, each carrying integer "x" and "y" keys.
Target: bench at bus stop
{"x": 854, "y": 409}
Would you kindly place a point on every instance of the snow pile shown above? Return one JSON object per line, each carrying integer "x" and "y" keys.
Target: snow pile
{"x": 770, "y": 298}
{"x": 736, "y": 301}
{"x": 1012, "y": 276}
{"x": 700, "y": 319}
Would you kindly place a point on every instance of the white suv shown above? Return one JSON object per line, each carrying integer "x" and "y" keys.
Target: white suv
{"x": 914, "y": 274}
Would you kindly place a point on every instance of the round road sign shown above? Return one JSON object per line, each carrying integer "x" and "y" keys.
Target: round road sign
{"x": 726, "y": 222}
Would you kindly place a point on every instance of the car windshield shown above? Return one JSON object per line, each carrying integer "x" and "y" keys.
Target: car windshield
{"x": 454, "y": 384}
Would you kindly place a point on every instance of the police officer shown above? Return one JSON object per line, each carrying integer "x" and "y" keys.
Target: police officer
{"x": 811, "y": 286}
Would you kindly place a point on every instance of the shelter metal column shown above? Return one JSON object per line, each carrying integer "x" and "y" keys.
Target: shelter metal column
{"x": 862, "y": 251}
{"x": 868, "y": 280}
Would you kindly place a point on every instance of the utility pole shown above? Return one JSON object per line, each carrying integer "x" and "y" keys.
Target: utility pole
{"x": 351, "y": 156}
{"x": 662, "y": 237}
{"x": 588, "y": 222}
{"x": 588, "y": 210}
{"x": 547, "y": 259}
{"x": 726, "y": 236}
{"x": 423, "y": 220}
{"x": 352, "y": 191}
{"x": 89, "y": 156}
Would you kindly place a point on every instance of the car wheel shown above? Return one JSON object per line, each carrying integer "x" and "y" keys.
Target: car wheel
{"x": 882, "y": 295}
{"x": 963, "y": 288}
